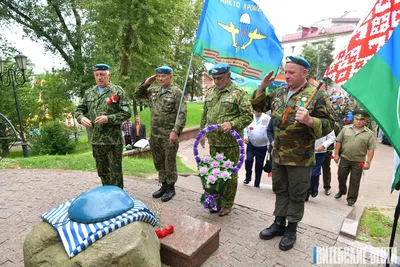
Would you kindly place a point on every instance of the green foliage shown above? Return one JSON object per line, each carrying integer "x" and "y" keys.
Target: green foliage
{"x": 319, "y": 55}
{"x": 55, "y": 138}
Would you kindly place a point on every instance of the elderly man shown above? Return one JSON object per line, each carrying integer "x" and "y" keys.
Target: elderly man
{"x": 228, "y": 105}
{"x": 102, "y": 110}
{"x": 353, "y": 143}
{"x": 166, "y": 126}
{"x": 296, "y": 128}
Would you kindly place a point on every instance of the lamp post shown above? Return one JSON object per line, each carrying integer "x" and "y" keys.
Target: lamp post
{"x": 16, "y": 78}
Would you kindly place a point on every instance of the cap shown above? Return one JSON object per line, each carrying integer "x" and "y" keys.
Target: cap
{"x": 298, "y": 60}
{"x": 361, "y": 113}
{"x": 164, "y": 70}
{"x": 100, "y": 67}
{"x": 219, "y": 68}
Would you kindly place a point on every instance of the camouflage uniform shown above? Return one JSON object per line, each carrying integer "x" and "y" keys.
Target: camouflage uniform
{"x": 164, "y": 108}
{"x": 293, "y": 151}
{"x": 338, "y": 116}
{"x": 228, "y": 105}
{"x": 106, "y": 139}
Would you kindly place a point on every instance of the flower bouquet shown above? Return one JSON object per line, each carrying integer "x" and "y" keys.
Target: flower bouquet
{"x": 216, "y": 171}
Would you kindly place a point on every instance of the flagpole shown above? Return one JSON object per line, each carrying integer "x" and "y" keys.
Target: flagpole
{"x": 392, "y": 236}
{"x": 184, "y": 87}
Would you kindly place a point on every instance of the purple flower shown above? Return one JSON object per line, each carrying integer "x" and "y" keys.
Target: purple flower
{"x": 225, "y": 174}
{"x": 206, "y": 159}
{"x": 227, "y": 164}
{"x": 219, "y": 157}
{"x": 216, "y": 172}
{"x": 203, "y": 170}
{"x": 214, "y": 164}
{"x": 211, "y": 179}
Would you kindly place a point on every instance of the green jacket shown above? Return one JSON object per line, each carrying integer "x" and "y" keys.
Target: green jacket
{"x": 294, "y": 142}
{"x": 93, "y": 105}
{"x": 164, "y": 108}
{"x": 230, "y": 104}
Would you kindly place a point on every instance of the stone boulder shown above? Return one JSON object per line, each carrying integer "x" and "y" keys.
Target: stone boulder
{"x": 135, "y": 244}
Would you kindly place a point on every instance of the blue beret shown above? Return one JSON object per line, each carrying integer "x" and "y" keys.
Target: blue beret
{"x": 100, "y": 67}
{"x": 220, "y": 68}
{"x": 298, "y": 60}
{"x": 164, "y": 70}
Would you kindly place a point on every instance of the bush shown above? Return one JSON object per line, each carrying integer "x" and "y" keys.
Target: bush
{"x": 55, "y": 138}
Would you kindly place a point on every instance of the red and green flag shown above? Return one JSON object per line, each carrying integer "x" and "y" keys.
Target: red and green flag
{"x": 368, "y": 68}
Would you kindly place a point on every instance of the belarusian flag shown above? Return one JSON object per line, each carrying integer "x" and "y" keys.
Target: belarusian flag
{"x": 368, "y": 68}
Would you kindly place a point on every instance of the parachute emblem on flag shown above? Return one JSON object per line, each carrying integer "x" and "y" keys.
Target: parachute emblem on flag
{"x": 242, "y": 36}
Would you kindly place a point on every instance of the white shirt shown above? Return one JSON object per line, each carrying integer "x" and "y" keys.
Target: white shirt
{"x": 325, "y": 141}
{"x": 256, "y": 132}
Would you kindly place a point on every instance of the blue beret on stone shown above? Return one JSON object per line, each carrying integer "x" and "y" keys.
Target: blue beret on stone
{"x": 220, "y": 68}
{"x": 164, "y": 70}
{"x": 298, "y": 60}
{"x": 100, "y": 67}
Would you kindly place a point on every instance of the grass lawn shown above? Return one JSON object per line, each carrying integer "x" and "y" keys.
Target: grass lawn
{"x": 376, "y": 226}
{"x": 194, "y": 111}
{"x": 82, "y": 159}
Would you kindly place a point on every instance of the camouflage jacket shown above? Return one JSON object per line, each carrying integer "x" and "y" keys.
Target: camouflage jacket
{"x": 93, "y": 105}
{"x": 230, "y": 104}
{"x": 349, "y": 106}
{"x": 164, "y": 108}
{"x": 294, "y": 142}
{"x": 337, "y": 112}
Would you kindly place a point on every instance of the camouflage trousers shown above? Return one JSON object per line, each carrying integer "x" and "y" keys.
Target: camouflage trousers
{"x": 232, "y": 153}
{"x": 164, "y": 158}
{"x": 109, "y": 164}
{"x": 290, "y": 185}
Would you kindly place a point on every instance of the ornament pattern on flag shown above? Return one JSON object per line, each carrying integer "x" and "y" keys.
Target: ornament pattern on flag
{"x": 366, "y": 40}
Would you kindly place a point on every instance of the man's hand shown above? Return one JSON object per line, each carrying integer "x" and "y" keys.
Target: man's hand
{"x": 320, "y": 148}
{"x": 203, "y": 142}
{"x": 304, "y": 117}
{"x": 151, "y": 79}
{"x": 86, "y": 122}
{"x": 173, "y": 136}
{"x": 336, "y": 159}
{"x": 226, "y": 126}
{"x": 266, "y": 81}
{"x": 273, "y": 144}
{"x": 366, "y": 166}
{"x": 246, "y": 140}
{"x": 101, "y": 120}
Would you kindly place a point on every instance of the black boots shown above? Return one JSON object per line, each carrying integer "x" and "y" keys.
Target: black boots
{"x": 276, "y": 229}
{"x": 169, "y": 193}
{"x": 289, "y": 238}
{"x": 160, "y": 192}
{"x": 166, "y": 192}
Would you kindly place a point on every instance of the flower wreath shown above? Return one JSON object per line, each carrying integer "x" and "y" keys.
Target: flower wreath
{"x": 216, "y": 171}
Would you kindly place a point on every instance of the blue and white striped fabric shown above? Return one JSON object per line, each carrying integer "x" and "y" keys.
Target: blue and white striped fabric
{"x": 76, "y": 237}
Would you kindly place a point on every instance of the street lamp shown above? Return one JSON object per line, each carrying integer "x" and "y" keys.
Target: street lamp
{"x": 16, "y": 78}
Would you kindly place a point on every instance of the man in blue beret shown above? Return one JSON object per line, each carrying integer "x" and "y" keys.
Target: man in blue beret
{"x": 229, "y": 106}
{"x": 102, "y": 111}
{"x": 166, "y": 126}
{"x": 296, "y": 127}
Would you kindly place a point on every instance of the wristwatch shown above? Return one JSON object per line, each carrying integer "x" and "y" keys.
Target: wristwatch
{"x": 368, "y": 162}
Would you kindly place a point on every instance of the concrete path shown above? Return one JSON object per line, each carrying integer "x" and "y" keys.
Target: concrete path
{"x": 323, "y": 212}
{"x": 25, "y": 194}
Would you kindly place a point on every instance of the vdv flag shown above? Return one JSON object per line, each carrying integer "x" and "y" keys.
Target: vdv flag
{"x": 368, "y": 68}
{"x": 239, "y": 34}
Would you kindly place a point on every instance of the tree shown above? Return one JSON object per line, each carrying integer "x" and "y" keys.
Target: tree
{"x": 59, "y": 25}
{"x": 319, "y": 55}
